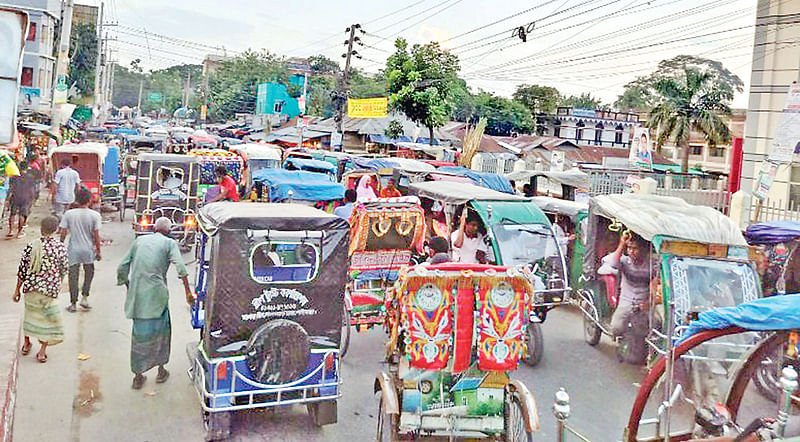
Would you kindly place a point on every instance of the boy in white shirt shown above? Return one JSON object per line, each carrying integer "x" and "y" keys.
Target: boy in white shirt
{"x": 469, "y": 244}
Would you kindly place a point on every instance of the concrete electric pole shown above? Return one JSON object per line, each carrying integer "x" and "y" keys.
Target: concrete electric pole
{"x": 60, "y": 86}
{"x": 342, "y": 94}
{"x": 98, "y": 67}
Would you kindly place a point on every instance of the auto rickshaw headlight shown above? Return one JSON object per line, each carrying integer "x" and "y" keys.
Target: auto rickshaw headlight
{"x": 222, "y": 371}
{"x": 190, "y": 222}
{"x": 144, "y": 222}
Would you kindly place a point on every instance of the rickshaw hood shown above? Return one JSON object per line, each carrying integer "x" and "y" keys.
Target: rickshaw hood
{"x": 459, "y": 193}
{"x": 266, "y": 216}
{"x": 773, "y": 232}
{"x": 765, "y": 314}
{"x": 304, "y": 185}
{"x": 652, "y": 216}
{"x": 517, "y": 212}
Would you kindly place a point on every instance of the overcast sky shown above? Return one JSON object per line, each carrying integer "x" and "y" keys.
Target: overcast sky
{"x": 575, "y": 45}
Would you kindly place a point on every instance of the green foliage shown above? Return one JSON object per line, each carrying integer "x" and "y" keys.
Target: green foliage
{"x": 538, "y": 99}
{"x": 83, "y": 58}
{"x": 170, "y": 82}
{"x": 324, "y": 81}
{"x": 641, "y": 94}
{"x": 503, "y": 116}
{"x": 491, "y": 407}
{"x": 691, "y": 100}
{"x": 394, "y": 129}
{"x": 234, "y": 85}
{"x": 420, "y": 81}
{"x": 584, "y": 101}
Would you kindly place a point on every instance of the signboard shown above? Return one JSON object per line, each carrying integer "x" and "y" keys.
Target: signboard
{"x": 765, "y": 178}
{"x": 204, "y": 112}
{"x": 301, "y": 104}
{"x": 580, "y": 112}
{"x": 29, "y": 98}
{"x": 787, "y": 133}
{"x": 641, "y": 153}
{"x": 557, "y": 161}
{"x": 155, "y": 96}
{"x": 367, "y": 107}
{"x": 61, "y": 89}
{"x": 336, "y": 139}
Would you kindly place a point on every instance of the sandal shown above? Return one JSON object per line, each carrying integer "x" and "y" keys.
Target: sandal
{"x": 9, "y": 235}
{"x": 138, "y": 381}
{"x": 162, "y": 377}
{"x": 26, "y": 349}
{"x": 41, "y": 358}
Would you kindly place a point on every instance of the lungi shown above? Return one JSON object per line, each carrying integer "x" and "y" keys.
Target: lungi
{"x": 42, "y": 319}
{"x": 150, "y": 342}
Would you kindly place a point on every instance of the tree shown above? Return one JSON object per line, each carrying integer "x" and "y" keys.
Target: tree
{"x": 394, "y": 129}
{"x": 691, "y": 100}
{"x": 538, "y": 99}
{"x": 83, "y": 58}
{"x": 640, "y": 94}
{"x": 504, "y": 117}
{"x": 584, "y": 100}
{"x": 420, "y": 81}
{"x": 234, "y": 85}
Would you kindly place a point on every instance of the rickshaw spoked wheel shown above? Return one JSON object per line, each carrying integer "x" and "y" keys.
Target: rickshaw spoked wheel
{"x": 387, "y": 423}
{"x": 591, "y": 331}
{"x": 345, "y": 344}
{"x": 217, "y": 425}
{"x": 514, "y": 420}
{"x": 535, "y": 343}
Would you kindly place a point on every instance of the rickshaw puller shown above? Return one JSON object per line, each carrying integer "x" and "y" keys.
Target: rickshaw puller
{"x": 227, "y": 186}
{"x": 144, "y": 271}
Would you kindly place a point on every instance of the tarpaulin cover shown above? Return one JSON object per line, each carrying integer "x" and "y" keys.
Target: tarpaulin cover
{"x": 486, "y": 179}
{"x": 458, "y": 193}
{"x": 305, "y": 164}
{"x": 572, "y": 177}
{"x": 651, "y": 215}
{"x": 111, "y": 166}
{"x": 374, "y": 163}
{"x": 773, "y": 232}
{"x": 305, "y": 186}
{"x": 773, "y": 313}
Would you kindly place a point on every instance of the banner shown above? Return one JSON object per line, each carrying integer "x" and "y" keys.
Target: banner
{"x": 367, "y": 107}
{"x": 787, "y": 133}
{"x": 765, "y": 178}
{"x": 641, "y": 153}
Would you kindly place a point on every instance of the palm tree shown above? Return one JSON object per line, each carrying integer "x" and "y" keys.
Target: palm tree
{"x": 692, "y": 102}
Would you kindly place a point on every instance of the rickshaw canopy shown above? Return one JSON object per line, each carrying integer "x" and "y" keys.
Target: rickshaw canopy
{"x": 406, "y": 164}
{"x": 517, "y": 212}
{"x": 560, "y": 206}
{"x": 773, "y": 313}
{"x": 267, "y": 216}
{"x": 166, "y": 157}
{"x": 258, "y": 151}
{"x": 773, "y": 232}
{"x": 304, "y": 164}
{"x": 653, "y": 217}
{"x": 486, "y": 179}
{"x": 304, "y": 185}
{"x": 572, "y": 177}
{"x": 111, "y": 166}
{"x": 459, "y": 193}
{"x": 99, "y": 149}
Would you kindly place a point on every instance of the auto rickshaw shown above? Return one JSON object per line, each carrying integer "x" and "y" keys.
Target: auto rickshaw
{"x": 256, "y": 157}
{"x": 456, "y": 331}
{"x": 277, "y": 185}
{"x": 310, "y": 165}
{"x": 697, "y": 260}
{"x": 132, "y": 146}
{"x": 166, "y": 185}
{"x": 87, "y": 159}
{"x": 518, "y": 234}
{"x": 572, "y": 217}
{"x": 337, "y": 159}
{"x": 270, "y": 285}
{"x": 209, "y": 159}
{"x": 567, "y": 185}
{"x": 384, "y": 234}
{"x": 112, "y": 193}
{"x": 780, "y": 240}
{"x": 484, "y": 179}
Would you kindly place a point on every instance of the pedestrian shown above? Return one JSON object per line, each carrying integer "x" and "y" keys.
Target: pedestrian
{"x": 469, "y": 245}
{"x": 228, "y": 190}
{"x": 439, "y": 250}
{"x": 345, "y": 210}
{"x": 65, "y": 185}
{"x": 41, "y": 270}
{"x": 22, "y": 195}
{"x": 83, "y": 226}
{"x": 144, "y": 272}
{"x": 390, "y": 191}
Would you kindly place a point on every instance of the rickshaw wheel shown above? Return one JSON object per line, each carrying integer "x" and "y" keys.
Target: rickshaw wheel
{"x": 514, "y": 421}
{"x": 535, "y": 344}
{"x": 387, "y": 423}
{"x": 345, "y": 344}
{"x": 217, "y": 425}
{"x": 591, "y": 332}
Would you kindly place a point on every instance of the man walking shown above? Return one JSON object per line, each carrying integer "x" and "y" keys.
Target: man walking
{"x": 64, "y": 188}
{"x": 144, "y": 271}
{"x": 83, "y": 226}
{"x": 23, "y": 192}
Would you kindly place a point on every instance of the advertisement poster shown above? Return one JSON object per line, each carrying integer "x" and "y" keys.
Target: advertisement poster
{"x": 29, "y": 98}
{"x": 765, "y": 178}
{"x": 557, "y": 161}
{"x": 367, "y": 107}
{"x": 787, "y": 133}
{"x": 641, "y": 153}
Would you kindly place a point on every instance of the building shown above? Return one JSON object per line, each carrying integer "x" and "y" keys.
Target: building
{"x": 84, "y": 15}
{"x": 776, "y": 64}
{"x": 38, "y": 61}
{"x": 712, "y": 159}
{"x": 591, "y": 126}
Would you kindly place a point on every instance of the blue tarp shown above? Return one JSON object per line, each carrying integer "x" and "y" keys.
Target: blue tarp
{"x": 305, "y": 186}
{"x": 426, "y": 140}
{"x": 306, "y": 163}
{"x": 374, "y": 163}
{"x": 773, "y": 232}
{"x": 111, "y": 166}
{"x": 124, "y": 131}
{"x": 484, "y": 179}
{"x": 780, "y": 312}
{"x": 383, "y": 139}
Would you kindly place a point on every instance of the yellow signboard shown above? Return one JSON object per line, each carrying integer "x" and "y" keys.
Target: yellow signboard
{"x": 367, "y": 107}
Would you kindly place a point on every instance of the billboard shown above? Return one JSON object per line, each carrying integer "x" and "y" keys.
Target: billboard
{"x": 641, "y": 153}
{"x": 367, "y": 107}
{"x": 29, "y": 98}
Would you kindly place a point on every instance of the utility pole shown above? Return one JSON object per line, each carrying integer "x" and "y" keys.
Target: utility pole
{"x": 187, "y": 89}
{"x": 139, "y": 101}
{"x": 342, "y": 94}
{"x": 98, "y": 66}
{"x": 111, "y": 85}
{"x": 60, "y": 86}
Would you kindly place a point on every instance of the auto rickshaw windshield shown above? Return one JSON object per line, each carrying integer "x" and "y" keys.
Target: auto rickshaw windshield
{"x": 523, "y": 244}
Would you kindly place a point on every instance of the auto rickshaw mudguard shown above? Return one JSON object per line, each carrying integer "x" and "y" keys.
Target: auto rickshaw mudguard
{"x": 528, "y": 403}
{"x": 385, "y": 384}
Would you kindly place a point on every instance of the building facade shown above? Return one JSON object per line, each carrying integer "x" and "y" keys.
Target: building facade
{"x": 592, "y": 126}
{"x": 84, "y": 15}
{"x": 713, "y": 159}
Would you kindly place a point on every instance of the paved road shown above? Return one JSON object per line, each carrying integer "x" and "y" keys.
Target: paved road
{"x": 68, "y": 399}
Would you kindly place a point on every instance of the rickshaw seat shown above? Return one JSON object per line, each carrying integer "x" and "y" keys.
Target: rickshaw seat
{"x": 610, "y": 282}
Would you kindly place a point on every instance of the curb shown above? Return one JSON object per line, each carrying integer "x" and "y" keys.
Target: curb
{"x": 10, "y": 338}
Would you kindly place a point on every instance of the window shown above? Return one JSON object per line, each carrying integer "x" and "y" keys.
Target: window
{"x": 717, "y": 151}
{"x": 557, "y": 128}
{"x": 284, "y": 261}
{"x": 32, "y": 32}
{"x": 44, "y": 34}
{"x": 794, "y": 187}
{"x": 579, "y": 130}
{"x": 598, "y": 133}
{"x": 41, "y": 81}
{"x": 696, "y": 150}
{"x": 618, "y": 134}
{"x": 27, "y": 77}
{"x": 278, "y": 107}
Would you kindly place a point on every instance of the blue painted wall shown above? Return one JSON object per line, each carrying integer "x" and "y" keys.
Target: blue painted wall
{"x": 270, "y": 93}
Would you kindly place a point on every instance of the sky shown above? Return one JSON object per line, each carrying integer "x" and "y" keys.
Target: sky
{"x": 577, "y": 46}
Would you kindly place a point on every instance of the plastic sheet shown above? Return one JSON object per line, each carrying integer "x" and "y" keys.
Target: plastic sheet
{"x": 485, "y": 179}
{"x": 773, "y": 232}
{"x": 305, "y": 186}
{"x": 773, "y": 313}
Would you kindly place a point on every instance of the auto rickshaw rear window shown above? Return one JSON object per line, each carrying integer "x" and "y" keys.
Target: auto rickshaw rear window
{"x": 284, "y": 262}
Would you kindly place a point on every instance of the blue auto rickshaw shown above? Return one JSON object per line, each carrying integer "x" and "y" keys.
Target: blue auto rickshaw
{"x": 310, "y": 165}
{"x": 277, "y": 185}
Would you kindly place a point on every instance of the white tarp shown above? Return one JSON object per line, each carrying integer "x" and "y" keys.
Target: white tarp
{"x": 650, "y": 215}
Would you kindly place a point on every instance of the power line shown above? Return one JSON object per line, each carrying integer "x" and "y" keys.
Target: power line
{"x": 393, "y": 13}
{"x": 417, "y": 15}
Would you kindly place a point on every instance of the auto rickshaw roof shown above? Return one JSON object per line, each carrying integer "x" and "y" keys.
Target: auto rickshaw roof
{"x": 651, "y": 216}
{"x": 773, "y": 232}
{"x": 304, "y": 185}
{"x": 100, "y": 149}
{"x": 258, "y": 151}
{"x": 516, "y": 212}
{"x": 166, "y": 157}
{"x": 560, "y": 206}
{"x": 263, "y": 216}
{"x": 573, "y": 177}
{"x": 459, "y": 193}
{"x": 301, "y": 163}
{"x": 486, "y": 179}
